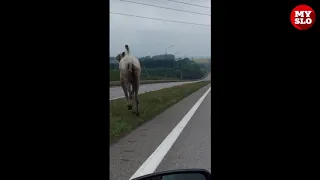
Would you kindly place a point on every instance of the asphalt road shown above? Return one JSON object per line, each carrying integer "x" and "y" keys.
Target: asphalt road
{"x": 117, "y": 92}
{"x": 192, "y": 149}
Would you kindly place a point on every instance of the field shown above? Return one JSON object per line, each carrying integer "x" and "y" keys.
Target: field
{"x": 202, "y": 61}
{"x": 117, "y": 83}
{"x": 154, "y": 74}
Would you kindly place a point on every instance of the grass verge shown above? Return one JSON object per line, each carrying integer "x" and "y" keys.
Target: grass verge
{"x": 117, "y": 83}
{"x": 152, "y": 103}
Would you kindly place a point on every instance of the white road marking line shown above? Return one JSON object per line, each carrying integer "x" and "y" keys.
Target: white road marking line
{"x": 150, "y": 165}
{"x": 139, "y": 94}
{"x": 116, "y": 98}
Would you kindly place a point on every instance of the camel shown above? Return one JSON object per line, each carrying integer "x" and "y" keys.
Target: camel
{"x": 130, "y": 71}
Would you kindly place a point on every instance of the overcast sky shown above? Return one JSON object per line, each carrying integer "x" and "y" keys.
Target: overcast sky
{"x": 151, "y": 37}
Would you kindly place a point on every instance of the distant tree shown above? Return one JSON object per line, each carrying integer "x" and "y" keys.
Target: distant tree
{"x": 165, "y": 66}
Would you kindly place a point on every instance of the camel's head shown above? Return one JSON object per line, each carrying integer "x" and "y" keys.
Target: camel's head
{"x": 120, "y": 56}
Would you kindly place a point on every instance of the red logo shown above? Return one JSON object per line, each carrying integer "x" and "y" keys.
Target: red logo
{"x": 302, "y": 17}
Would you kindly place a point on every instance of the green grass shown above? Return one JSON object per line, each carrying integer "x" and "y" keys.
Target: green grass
{"x": 117, "y": 83}
{"x": 154, "y": 74}
{"x": 202, "y": 61}
{"x": 151, "y": 80}
{"x": 152, "y": 103}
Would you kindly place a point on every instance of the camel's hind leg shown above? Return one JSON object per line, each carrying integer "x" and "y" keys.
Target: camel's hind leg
{"x": 125, "y": 89}
{"x": 136, "y": 99}
{"x": 135, "y": 89}
{"x": 130, "y": 91}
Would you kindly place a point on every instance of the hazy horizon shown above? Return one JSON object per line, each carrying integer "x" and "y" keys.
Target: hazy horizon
{"x": 151, "y": 37}
{"x": 176, "y": 56}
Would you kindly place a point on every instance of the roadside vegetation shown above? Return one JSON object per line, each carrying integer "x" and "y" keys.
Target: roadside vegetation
{"x": 152, "y": 104}
{"x": 165, "y": 67}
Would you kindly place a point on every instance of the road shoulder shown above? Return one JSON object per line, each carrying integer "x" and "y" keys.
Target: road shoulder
{"x": 127, "y": 155}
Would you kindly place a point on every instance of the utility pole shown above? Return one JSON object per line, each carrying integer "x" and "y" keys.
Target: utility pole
{"x": 145, "y": 69}
{"x": 166, "y": 56}
{"x": 166, "y": 50}
{"x": 174, "y": 68}
{"x": 181, "y": 67}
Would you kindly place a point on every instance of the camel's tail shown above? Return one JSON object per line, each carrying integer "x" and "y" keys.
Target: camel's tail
{"x": 130, "y": 67}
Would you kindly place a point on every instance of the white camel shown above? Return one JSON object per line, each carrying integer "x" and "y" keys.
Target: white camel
{"x": 130, "y": 71}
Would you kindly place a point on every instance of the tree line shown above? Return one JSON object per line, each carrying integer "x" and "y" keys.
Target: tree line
{"x": 166, "y": 67}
